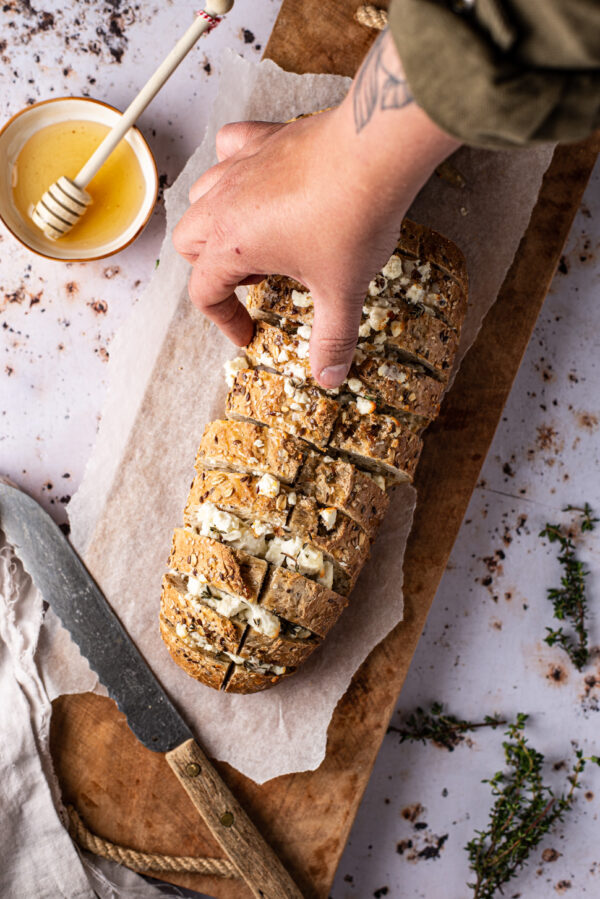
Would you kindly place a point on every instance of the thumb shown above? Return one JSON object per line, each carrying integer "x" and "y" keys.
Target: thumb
{"x": 333, "y": 338}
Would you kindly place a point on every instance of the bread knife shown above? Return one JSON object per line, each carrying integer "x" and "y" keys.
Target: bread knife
{"x": 66, "y": 584}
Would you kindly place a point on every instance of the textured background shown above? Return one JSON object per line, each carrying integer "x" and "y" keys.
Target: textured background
{"x": 483, "y": 649}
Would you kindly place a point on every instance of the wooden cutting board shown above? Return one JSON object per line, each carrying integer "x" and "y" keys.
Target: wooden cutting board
{"x": 128, "y": 794}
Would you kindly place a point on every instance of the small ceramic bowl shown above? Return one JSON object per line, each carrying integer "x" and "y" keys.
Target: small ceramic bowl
{"x": 20, "y": 128}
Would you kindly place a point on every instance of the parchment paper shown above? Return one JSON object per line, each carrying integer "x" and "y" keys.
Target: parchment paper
{"x": 166, "y": 383}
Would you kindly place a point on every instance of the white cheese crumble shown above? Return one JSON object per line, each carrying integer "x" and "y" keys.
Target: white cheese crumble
{"x": 292, "y": 498}
{"x": 268, "y": 486}
{"x": 378, "y": 317}
{"x": 365, "y": 406}
{"x": 295, "y": 554}
{"x": 295, "y": 370}
{"x": 393, "y": 267}
{"x": 232, "y": 366}
{"x": 211, "y": 521}
{"x": 304, "y": 331}
{"x": 415, "y": 293}
{"x": 355, "y": 385}
{"x": 302, "y": 349}
{"x": 364, "y": 329}
{"x": 328, "y": 517}
{"x": 376, "y": 286}
{"x": 301, "y": 300}
{"x": 397, "y": 328}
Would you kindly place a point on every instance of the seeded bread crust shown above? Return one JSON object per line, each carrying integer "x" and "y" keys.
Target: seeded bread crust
{"x": 379, "y": 443}
{"x": 345, "y": 542}
{"x": 220, "y": 632}
{"x": 271, "y": 301}
{"x": 431, "y": 246}
{"x": 402, "y": 388}
{"x": 202, "y": 666}
{"x": 242, "y": 680}
{"x": 277, "y": 650}
{"x": 227, "y": 569}
{"x": 414, "y": 334}
{"x": 237, "y": 493}
{"x": 234, "y": 445}
{"x": 334, "y": 482}
{"x": 301, "y": 411}
{"x": 301, "y": 601}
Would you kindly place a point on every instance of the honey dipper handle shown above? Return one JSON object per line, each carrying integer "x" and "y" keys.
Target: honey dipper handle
{"x": 202, "y": 23}
{"x": 255, "y": 861}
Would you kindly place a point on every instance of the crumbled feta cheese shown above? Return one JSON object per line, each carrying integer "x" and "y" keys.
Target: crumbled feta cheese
{"x": 364, "y": 405}
{"x": 212, "y": 522}
{"x": 283, "y": 356}
{"x": 301, "y": 299}
{"x": 355, "y": 385}
{"x": 268, "y": 486}
{"x": 232, "y": 366}
{"x": 415, "y": 293}
{"x": 260, "y": 528}
{"x": 364, "y": 329}
{"x": 328, "y": 516}
{"x": 376, "y": 286}
{"x": 196, "y": 585}
{"x": 181, "y": 630}
{"x": 397, "y": 328}
{"x": 393, "y": 267}
{"x": 295, "y": 370}
{"x": 265, "y": 359}
{"x": 302, "y": 349}
{"x": 378, "y": 317}
{"x": 326, "y": 575}
{"x": 328, "y": 459}
{"x": 425, "y": 270}
{"x": 258, "y": 443}
{"x": 289, "y": 388}
{"x": 304, "y": 331}
{"x": 359, "y": 356}
{"x": 292, "y": 498}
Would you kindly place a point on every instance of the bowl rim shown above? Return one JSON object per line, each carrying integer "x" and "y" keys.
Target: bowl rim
{"x": 143, "y": 224}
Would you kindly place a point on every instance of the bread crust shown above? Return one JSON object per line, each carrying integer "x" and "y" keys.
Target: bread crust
{"x": 402, "y": 388}
{"x": 431, "y": 246}
{"x": 237, "y": 493}
{"x": 271, "y": 300}
{"x": 227, "y": 569}
{"x": 301, "y": 601}
{"x": 234, "y": 445}
{"x": 414, "y": 334}
{"x": 243, "y": 680}
{"x": 202, "y": 666}
{"x": 344, "y": 542}
{"x": 337, "y": 483}
{"x": 277, "y": 650}
{"x": 221, "y": 632}
{"x": 379, "y": 443}
{"x": 272, "y": 399}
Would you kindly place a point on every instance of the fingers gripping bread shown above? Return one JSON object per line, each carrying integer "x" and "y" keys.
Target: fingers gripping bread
{"x": 292, "y": 486}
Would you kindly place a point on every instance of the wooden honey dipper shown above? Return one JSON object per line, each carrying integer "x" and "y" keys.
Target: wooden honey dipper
{"x": 66, "y": 200}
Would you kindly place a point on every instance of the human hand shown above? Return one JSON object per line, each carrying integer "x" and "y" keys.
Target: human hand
{"x": 320, "y": 199}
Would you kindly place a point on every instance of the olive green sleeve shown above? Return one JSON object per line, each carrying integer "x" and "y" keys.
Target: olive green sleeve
{"x": 503, "y": 73}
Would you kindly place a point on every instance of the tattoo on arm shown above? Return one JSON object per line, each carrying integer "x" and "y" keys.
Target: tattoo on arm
{"x": 380, "y": 84}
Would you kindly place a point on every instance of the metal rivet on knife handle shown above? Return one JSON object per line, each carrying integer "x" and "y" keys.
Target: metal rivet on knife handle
{"x": 252, "y": 857}
{"x": 193, "y": 769}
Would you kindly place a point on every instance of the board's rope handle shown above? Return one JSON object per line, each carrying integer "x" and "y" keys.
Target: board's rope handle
{"x": 144, "y": 861}
{"x": 371, "y": 16}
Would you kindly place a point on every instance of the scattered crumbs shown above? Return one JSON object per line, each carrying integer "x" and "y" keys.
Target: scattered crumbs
{"x": 445, "y": 792}
{"x": 557, "y": 674}
{"x": 550, "y": 855}
{"x": 65, "y": 528}
{"x": 433, "y": 850}
{"x": 111, "y": 271}
{"x": 563, "y": 266}
{"x": 100, "y": 307}
{"x": 348, "y": 878}
{"x": 66, "y": 475}
{"x": 9, "y": 370}
{"x": 247, "y": 36}
{"x": 382, "y": 891}
{"x": 412, "y": 812}
{"x": 587, "y": 420}
{"x": 589, "y": 795}
{"x": 102, "y": 353}
{"x": 72, "y": 288}
{"x": 562, "y": 886}
{"x": 403, "y": 845}
{"x": 420, "y": 825}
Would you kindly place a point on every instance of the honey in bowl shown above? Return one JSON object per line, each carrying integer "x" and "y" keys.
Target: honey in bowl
{"x": 117, "y": 190}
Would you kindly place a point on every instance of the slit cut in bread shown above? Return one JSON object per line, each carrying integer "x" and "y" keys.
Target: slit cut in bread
{"x": 251, "y": 498}
{"x": 251, "y": 448}
{"x": 301, "y": 601}
{"x": 273, "y": 399}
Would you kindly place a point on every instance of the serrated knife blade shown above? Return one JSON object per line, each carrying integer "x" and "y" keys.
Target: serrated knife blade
{"x": 66, "y": 584}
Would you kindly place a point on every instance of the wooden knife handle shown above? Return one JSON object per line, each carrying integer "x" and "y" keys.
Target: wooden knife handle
{"x": 256, "y": 862}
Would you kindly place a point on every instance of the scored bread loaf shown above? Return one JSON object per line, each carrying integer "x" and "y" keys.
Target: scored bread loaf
{"x": 293, "y": 485}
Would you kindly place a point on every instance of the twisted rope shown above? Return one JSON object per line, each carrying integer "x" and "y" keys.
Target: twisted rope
{"x": 371, "y": 16}
{"x": 144, "y": 861}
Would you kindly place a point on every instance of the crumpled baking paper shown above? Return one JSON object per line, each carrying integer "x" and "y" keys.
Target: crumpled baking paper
{"x": 166, "y": 383}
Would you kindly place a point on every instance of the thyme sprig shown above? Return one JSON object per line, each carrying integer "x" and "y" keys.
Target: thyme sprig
{"x": 570, "y": 600}
{"x": 444, "y": 730}
{"x": 524, "y": 811}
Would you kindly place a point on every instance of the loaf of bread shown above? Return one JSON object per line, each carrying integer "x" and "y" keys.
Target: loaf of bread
{"x": 293, "y": 485}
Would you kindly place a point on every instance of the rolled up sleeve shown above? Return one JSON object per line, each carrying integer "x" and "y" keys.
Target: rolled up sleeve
{"x": 500, "y": 74}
